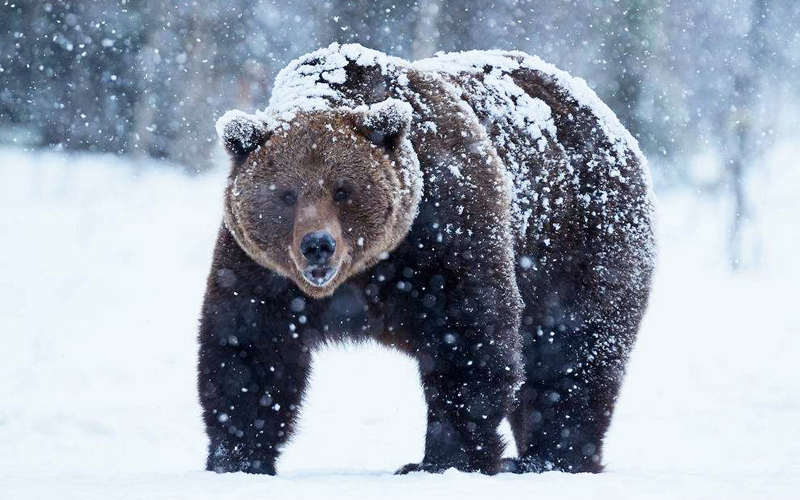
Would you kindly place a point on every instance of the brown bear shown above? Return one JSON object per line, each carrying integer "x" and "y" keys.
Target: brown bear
{"x": 482, "y": 212}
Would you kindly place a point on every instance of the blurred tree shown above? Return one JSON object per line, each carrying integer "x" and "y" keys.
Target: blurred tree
{"x": 628, "y": 28}
{"x": 70, "y": 79}
{"x": 426, "y": 31}
{"x": 134, "y": 76}
{"x": 17, "y": 46}
{"x": 745, "y": 141}
{"x": 384, "y": 25}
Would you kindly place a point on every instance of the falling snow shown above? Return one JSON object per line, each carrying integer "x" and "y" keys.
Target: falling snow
{"x": 105, "y": 106}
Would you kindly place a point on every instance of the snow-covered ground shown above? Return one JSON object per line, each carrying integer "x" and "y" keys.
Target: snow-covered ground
{"x": 102, "y": 269}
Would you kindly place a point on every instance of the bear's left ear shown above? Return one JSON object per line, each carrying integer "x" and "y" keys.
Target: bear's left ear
{"x": 241, "y": 133}
{"x": 385, "y": 123}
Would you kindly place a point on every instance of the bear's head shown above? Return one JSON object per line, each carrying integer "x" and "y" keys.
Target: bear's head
{"x": 324, "y": 195}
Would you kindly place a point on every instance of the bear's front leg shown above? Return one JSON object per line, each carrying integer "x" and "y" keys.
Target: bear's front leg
{"x": 470, "y": 366}
{"x": 253, "y": 365}
{"x": 250, "y": 397}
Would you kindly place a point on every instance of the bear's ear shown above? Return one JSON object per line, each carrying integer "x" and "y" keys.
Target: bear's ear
{"x": 241, "y": 133}
{"x": 385, "y": 123}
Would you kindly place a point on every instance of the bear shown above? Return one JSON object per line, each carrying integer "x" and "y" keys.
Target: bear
{"x": 483, "y": 212}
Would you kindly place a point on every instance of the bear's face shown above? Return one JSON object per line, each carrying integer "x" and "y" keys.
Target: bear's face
{"x": 324, "y": 198}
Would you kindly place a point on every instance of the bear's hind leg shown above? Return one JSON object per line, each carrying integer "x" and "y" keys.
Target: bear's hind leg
{"x": 565, "y": 405}
{"x": 470, "y": 366}
{"x": 465, "y": 407}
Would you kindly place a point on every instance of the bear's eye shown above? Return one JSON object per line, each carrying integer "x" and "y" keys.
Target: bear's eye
{"x": 341, "y": 194}
{"x": 289, "y": 197}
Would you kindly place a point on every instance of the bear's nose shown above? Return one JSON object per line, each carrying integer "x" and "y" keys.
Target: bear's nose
{"x": 317, "y": 247}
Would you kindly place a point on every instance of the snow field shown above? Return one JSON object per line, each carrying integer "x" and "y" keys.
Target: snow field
{"x": 102, "y": 270}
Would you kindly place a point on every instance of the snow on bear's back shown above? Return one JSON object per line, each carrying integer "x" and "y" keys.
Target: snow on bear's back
{"x": 337, "y": 76}
{"x": 506, "y": 62}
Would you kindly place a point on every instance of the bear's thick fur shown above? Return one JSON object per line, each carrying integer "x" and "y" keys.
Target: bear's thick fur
{"x": 483, "y": 212}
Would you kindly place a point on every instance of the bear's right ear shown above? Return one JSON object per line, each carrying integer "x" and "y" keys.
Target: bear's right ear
{"x": 241, "y": 133}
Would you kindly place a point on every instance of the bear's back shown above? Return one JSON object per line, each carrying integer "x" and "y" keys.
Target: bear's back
{"x": 573, "y": 166}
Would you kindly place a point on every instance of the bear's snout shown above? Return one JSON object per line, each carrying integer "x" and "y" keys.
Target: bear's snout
{"x": 317, "y": 247}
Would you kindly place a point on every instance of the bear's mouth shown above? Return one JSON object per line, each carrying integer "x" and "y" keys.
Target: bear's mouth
{"x": 319, "y": 275}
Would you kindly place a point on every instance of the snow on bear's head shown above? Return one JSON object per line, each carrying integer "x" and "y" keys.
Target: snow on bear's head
{"x": 323, "y": 196}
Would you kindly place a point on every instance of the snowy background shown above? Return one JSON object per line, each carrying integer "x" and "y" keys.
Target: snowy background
{"x": 110, "y": 199}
